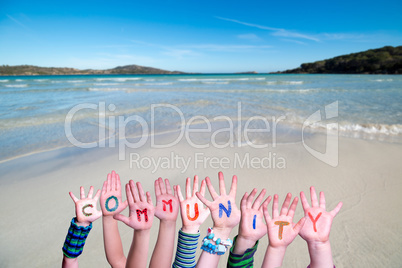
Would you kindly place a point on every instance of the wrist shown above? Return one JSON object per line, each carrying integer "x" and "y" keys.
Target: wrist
{"x": 250, "y": 242}
{"x": 320, "y": 254}
{"x": 142, "y": 232}
{"x": 168, "y": 224}
{"x": 222, "y": 232}
{"x": 274, "y": 256}
{"x": 108, "y": 218}
{"x": 318, "y": 245}
{"x": 190, "y": 229}
{"x": 82, "y": 223}
{"x": 242, "y": 244}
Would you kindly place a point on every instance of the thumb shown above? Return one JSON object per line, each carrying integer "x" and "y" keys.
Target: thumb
{"x": 122, "y": 206}
{"x": 299, "y": 225}
{"x": 122, "y": 218}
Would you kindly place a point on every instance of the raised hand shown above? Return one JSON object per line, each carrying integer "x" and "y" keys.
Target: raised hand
{"x": 281, "y": 229}
{"x": 252, "y": 226}
{"x": 111, "y": 198}
{"x": 224, "y": 211}
{"x": 167, "y": 204}
{"x": 142, "y": 211}
{"x": 193, "y": 212}
{"x": 319, "y": 221}
{"x": 85, "y": 207}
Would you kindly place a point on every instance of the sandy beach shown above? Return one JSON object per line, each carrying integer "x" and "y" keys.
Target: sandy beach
{"x": 36, "y": 209}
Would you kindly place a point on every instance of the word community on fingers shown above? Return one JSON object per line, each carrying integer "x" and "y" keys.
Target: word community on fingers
{"x": 145, "y": 212}
{"x": 107, "y": 203}
{"x": 314, "y": 220}
{"x": 281, "y": 224}
{"x": 167, "y": 203}
{"x": 227, "y": 211}
{"x": 83, "y": 210}
{"x": 197, "y": 213}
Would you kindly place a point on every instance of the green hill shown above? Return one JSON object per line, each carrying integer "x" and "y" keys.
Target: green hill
{"x": 386, "y": 60}
{"x": 35, "y": 70}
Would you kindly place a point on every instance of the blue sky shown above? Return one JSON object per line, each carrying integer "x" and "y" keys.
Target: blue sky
{"x": 192, "y": 35}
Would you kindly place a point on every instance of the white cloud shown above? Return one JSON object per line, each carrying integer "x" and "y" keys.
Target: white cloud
{"x": 250, "y": 37}
{"x": 276, "y": 31}
{"x": 294, "y": 41}
{"x": 228, "y": 47}
{"x": 17, "y": 21}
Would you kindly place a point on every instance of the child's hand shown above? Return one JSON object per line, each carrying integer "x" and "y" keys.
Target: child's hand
{"x": 193, "y": 212}
{"x": 281, "y": 229}
{"x": 141, "y": 208}
{"x": 85, "y": 208}
{"x": 319, "y": 221}
{"x": 111, "y": 199}
{"x": 252, "y": 226}
{"x": 167, "y": 204}
{"x": 224, "y": 211}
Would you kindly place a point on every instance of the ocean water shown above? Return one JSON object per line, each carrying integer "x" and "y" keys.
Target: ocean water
{"x": 34, "y": 109}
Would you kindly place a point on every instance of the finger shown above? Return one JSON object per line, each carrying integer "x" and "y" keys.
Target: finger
{"x": 233, "y": 187}
{"x": 168, "y": 187}
{"x": 134, "y": 191}
{"x": 322, "y": 200}
{"x": 75, "y": 199}
{"x": 299, "y": 225}
{"x": 313, "y": 195}
{"x": 82, "y": 193}
{"x": 91, "y": 192}
{"x": 176, "y": 194}
{"x": 336, "y": 209}
{"x": 259, "y": 199}
{"x": 195, "y": 185}
{"x": 285, "y": 205}
{"x": 188, "y": 190}
{"x": 181, "y": 198}
{"x": 265, "y": 203}
{"x": 97, "y": 214}
{"x": 118, "y": 183}
{"x": 265, "y": 210}
{"x": 203, "y": 199}
{"x": 122, "y": 218}
{"x": 293, "y": 206}
{"x": 243, "y": 202}
{"x": 251, "y": 198}
{"x": 222, "y": 189}
{"x": 113, "y": 184}
{"x": 97, "y": 195}
{"x": 109, "y": 181}
{"x": 203, "y": 188}
{"x": 157, "y": 188}
{"x": 129, "y": 195}
{"x": 122, "y": 206}
{"x": 149, "y": 199}
{"x": 162, "y": 186}
{"x": 141, "y": 192}
{"x": 304, "y": 201}
{"x": 104, "y": 188}
{"x": 211, "y": 189}
{"x": 275, "y": 211}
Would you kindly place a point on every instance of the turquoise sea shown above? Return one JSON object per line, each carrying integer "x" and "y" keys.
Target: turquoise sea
{"x": 34, "y": 109}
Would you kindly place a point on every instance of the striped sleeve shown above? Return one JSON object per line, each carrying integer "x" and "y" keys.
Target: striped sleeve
{"x": 244, "y": 261}
{"x": 75, "y": 239}
{"x": 186, "y": 250}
